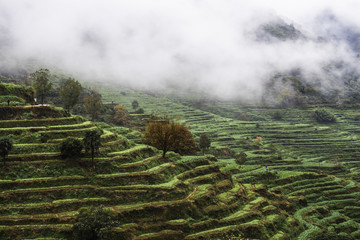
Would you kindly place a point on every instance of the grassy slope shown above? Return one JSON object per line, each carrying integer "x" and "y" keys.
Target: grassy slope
{"x": 188, "y": 197}
{"x": 305, "y": 146}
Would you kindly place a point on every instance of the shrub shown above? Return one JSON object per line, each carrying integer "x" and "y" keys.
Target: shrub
{"x": 240, "y": 158}
{"x": 71, "y": 148}
{"x": 323, "y": 116}
{"x": 243, "y": 117}
{"x": 5, "y": 147}
{"x": 139, "y": 111}
{"x": 26, "y": 93}
{"x": 278, "y": 115}
{"x": 91, "y": 222}
{"x": 330, "y": 235}
{"x": 266, "y": 176}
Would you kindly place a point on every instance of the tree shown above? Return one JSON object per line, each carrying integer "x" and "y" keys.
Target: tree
{"x": 5, "y": 147}
{"x": 70, "y": 91}
{"x": 93, "y": 105}
{"x": 204, "y": 142}
{"x": 42, "y": 83}
{"x": 323, "y": 116}
{"x": 167, "y": 136}
{"x": 140, "y": 111}
{"x": 71, "y": 148}
{"x": 258, "y": 142}
{"x": 91, "y": 221}
{"x": 135, "y": 105}
{"x": 92, "y": 143}
{"x": 120, "y": 115}
{"x": 241, "y": 158}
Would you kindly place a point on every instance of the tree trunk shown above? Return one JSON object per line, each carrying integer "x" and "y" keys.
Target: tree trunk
{"x": 92, "y": 156}
{"x": 163, "y": 155}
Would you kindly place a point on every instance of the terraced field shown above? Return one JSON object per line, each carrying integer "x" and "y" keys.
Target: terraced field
{"x": 187, "y": 197}
{"x": 320, "y": 160}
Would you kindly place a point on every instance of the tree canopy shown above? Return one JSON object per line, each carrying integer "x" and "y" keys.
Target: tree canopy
{"x": 92, "y": 143}
{"x": 91, "y": 221}
{"x": 166, "y": 136}
{"x": 70, "y": 91}
{"x": 41, "y": 83}
{"x": 71, "y": 148}
{"x": 93, "y": 105}
{"x": 135, "y": 104}
{"x": 5, "y": 147}
{"x": 120, "y": 116}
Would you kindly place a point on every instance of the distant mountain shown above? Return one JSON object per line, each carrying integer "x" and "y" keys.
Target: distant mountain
{"x": 332, "y": 28}
{"x": 278, "y": 30}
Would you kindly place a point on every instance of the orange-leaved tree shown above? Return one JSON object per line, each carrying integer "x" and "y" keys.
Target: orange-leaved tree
{"x": 170, "y": 136}
{"x": 120, "y": 115}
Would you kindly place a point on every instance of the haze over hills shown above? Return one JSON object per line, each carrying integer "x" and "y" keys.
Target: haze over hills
{"x": 209, "y": 119}
{"x": 227, "y": 50}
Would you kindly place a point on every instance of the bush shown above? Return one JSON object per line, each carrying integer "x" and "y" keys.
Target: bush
{"x": 278, "y": 115}
{"x": 26, "y": 93}
{"x": 91, "y": 222}
{"x": 330, "y": 235}
{"x": 6, "y": 145}
{"x": 243, "y": 117}
{"x": 139, "y": 111}
{"x": 71, "y": 148}
{"x": 323, "y": 116}
{"x": 241, "y": 158}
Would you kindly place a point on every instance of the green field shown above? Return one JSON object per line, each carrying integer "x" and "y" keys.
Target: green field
{"x": 311, "y": 186}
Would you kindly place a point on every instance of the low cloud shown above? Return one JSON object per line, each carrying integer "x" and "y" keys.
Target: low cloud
{"x": 207, "y": 45}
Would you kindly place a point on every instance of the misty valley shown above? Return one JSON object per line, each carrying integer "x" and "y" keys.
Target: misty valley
{"x": 172, "y": 120}
{"x": 101, "y": 161}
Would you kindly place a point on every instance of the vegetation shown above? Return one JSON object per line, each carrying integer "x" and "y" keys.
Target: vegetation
{"x": 71, "y": 148}
{"x": 140, "y": 111}
{"x": 120, "y": 115}
{"x": 241, "y": 189}
{"x": 323, "y": 116}
{"x": 42, "y": 84}
{"x": 18, "y": 94}
{"x": 135, "y": 105}
{"x": 166, "y": 135}
{"x": 5, "y": 147}
{"x": 70, "y": 91}
{"x": 204, "y": 142}
{"x": 92, "y": 143}
{"x": 92, "y": 221}
{"x": 93, "y": 105}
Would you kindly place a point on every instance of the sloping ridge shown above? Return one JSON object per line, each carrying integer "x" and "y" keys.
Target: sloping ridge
{"x": 177, "y": 198}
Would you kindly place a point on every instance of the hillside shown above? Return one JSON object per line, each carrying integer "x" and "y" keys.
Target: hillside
{"x": 181, "y": 197}
{"x": 312, "y": 160}
{"x": 301, "y": 179}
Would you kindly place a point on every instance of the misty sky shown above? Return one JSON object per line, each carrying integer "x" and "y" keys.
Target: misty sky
{"x": 205, "y": 44}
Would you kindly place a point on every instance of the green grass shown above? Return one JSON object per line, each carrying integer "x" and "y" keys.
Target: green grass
{"x": 196, "y": 195}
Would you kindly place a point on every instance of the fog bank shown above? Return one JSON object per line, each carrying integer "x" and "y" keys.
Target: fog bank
{"x": 209, "y": 45}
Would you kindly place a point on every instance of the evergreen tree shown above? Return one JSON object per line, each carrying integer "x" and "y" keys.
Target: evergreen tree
{"x": 70, "y": 91}
{"x": 42, "y": 83}
{"x": 5, "y": 147}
